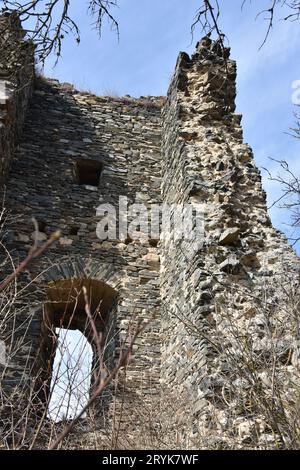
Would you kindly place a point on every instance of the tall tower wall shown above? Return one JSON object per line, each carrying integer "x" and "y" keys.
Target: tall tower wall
{"x": 222, "y": 292}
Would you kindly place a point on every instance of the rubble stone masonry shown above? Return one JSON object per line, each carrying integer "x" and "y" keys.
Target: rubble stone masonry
{"x": 185, "y": 148}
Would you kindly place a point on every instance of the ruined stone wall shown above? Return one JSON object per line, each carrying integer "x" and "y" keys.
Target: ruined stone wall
{"x": 223, "y": 295}
{"x": 62, "y": 127}
{"x": 16, "y": 79}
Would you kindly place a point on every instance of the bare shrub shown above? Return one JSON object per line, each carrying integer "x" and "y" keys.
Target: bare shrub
{"x": 251, "y": 383}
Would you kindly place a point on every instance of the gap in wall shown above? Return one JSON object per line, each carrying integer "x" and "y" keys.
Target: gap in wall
{"x": 71, "y": 377}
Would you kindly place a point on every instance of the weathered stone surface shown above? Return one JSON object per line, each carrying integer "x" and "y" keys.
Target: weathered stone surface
{"x": 16, "y": 82}
{"x": 226, "y": 290}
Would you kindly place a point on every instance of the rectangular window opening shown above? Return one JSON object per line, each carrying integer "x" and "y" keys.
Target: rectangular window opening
{"x": 88, "y": 172}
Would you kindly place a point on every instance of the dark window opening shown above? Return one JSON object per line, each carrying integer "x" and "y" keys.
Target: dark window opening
{"x": 74, "y": 229}
{"x": 42, "y": 225}
{"x": 88, "y": 172}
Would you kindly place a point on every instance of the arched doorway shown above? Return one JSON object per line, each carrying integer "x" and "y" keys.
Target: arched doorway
{"x": 78, "y": 342}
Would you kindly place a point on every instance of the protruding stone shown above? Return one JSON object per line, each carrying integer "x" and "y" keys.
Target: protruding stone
{"x": 64, "y": 241}
{"x": 22, "y": 237}
{"x": 153, "y": 261}
{"x": 230, "y": 235}
{"x": 231, "y": 266}
{"x": 250, "y": 260}
{"x": 39, "y": 236}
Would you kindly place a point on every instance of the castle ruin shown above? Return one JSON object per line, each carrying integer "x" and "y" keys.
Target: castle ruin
{"x": 65, "y": 152}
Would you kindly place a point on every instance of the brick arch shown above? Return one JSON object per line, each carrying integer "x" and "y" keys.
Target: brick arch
{"x": 59, "y": 284}
{"x": 82, "y": 268}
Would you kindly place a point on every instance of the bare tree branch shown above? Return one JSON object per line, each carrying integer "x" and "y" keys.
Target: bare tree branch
{"x": 48, "y": 22}
{"x": 35, "y": 252}
{"x": 289, "y": 198}
{"x": 208, "y": 15}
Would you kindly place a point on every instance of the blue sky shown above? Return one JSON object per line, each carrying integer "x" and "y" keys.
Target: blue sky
{"x": 152, "y": 32}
